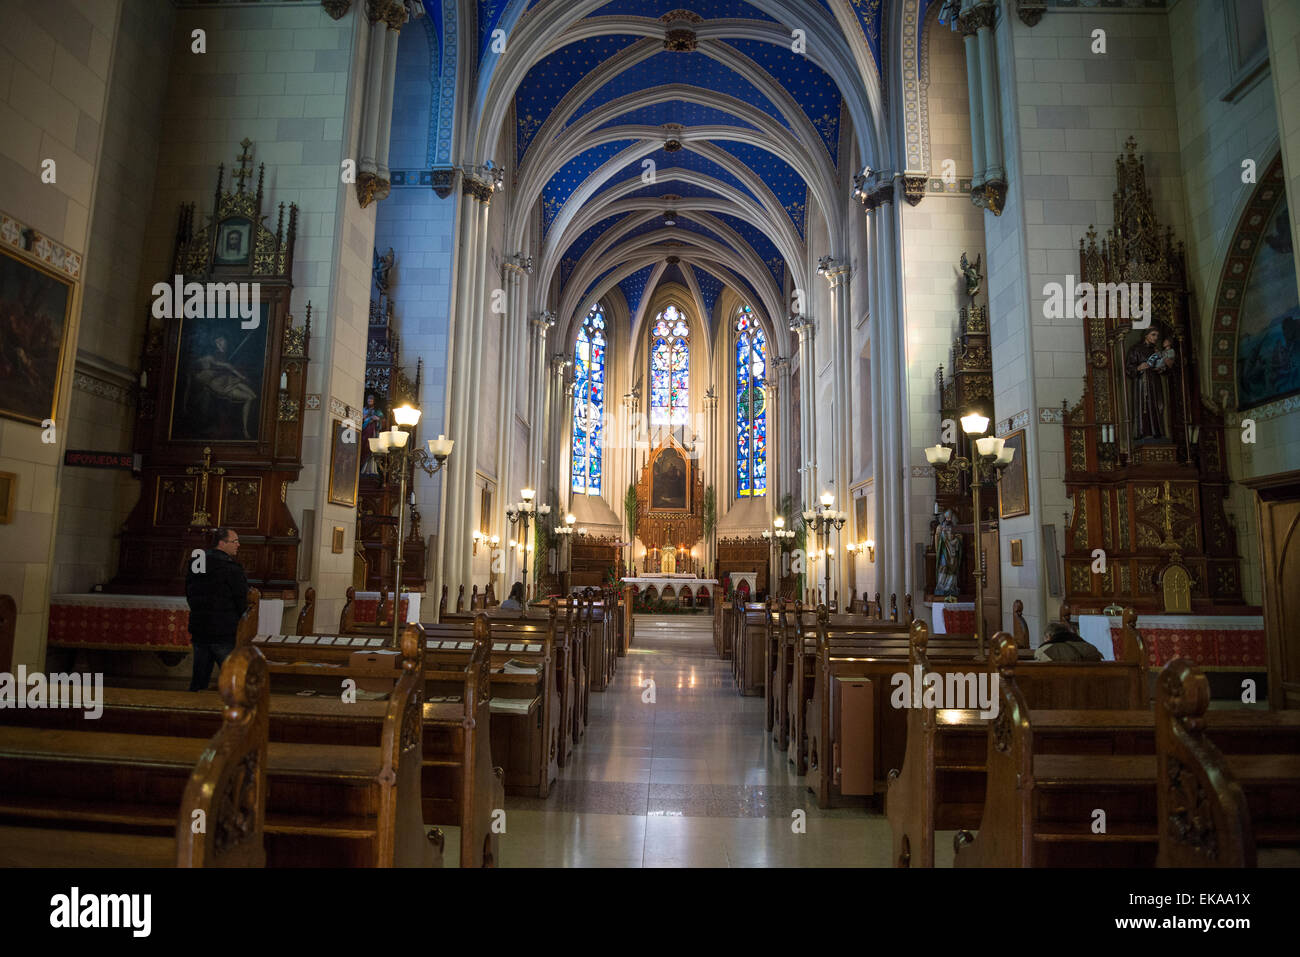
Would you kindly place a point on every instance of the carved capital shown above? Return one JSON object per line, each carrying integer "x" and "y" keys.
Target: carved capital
{"x": 441, "y": 180}
{"x": 478, "y": 189}
{"x": 991, "y": 196}
{"x": 977, "y": 16}
{"x": 370, "y": 188}
{"x": 1030, "y": 11}
{"x": 336, "y": 8}
{"x": 914, "y": 188}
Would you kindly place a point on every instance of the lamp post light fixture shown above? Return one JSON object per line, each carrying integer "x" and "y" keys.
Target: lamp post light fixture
{"x": 525, "y": 512}
{"x": 393, "y": 456}
{"x": 564, "y": 533}
{"x": 776, "y": 539}
{"x": 823, "y": 521}
{"x": 992, "y": 456}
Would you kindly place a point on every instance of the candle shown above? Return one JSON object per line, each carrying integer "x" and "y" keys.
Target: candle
{"x": 284, "y": 381}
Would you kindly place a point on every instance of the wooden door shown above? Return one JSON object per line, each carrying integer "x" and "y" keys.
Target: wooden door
{"x": 991, "y": 564}
{"x": 1277, "y": 502}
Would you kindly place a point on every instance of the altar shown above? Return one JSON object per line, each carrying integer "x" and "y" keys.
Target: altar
{"x": 1228, "y": 642}
{"x": 135, "y": 622}
{"x": 683, "y": 589}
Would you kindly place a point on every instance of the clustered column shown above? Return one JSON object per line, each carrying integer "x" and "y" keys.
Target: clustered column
{"x": 989, "y": 183}
{"x": 889, "y": 391}
{"x": 465, "y": 347}
{"x": 841, "y": 442}
{"x": 514, "y": 271}
{"x": 373, "y": 177}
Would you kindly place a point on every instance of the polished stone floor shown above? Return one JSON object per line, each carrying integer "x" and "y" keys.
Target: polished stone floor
{"x": 686, "y": 780}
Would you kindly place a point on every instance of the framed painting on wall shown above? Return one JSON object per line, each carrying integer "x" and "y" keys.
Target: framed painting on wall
{"x": 34, "y": 311}
{"x": 220, "y": 372}
{"x": 345, "y": 461}
{"x": 1013, "y": 489}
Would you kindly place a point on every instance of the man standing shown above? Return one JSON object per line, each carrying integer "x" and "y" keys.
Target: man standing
{"x": 218, "y": 596}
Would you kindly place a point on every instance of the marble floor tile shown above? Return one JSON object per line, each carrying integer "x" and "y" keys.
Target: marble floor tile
{"x": 690, "y": 780}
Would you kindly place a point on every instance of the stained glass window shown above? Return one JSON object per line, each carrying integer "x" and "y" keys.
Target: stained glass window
{"x": 751, "y": 405}
{"x": 670, "y": 368}
{"x": 588, "y": 402}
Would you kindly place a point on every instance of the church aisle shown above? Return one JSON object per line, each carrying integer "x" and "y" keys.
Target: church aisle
{"x": 686, "y": 781}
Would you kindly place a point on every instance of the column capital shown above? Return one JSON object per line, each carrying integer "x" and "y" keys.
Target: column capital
{"x": 517, "y": 264}
{"x": 805, "y": 326}
{"x": 543, "y": 322}
{"x": 834, "y": 271}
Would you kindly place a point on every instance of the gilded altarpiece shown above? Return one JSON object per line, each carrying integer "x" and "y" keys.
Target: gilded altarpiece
{"x": 1145, "y": 465}
{"x": 221, "y": 399}
{"x": 670, "y": 503}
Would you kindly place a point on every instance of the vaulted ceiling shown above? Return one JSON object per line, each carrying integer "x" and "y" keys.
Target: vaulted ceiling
{"x": 699, "y": 165}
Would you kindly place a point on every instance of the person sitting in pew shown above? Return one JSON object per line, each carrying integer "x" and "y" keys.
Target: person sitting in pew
{"x": 1062, "y": 644}
{"x": 515, "y": 601}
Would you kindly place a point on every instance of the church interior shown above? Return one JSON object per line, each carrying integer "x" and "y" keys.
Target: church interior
{"x": 670, "y": 433}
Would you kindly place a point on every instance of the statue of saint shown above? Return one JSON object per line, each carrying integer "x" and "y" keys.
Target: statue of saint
{"x": 373, "y": 421}
{"x": 947, "y": 556}
{"x": 1147, "y": 364}
{"x": 972, "y": 275}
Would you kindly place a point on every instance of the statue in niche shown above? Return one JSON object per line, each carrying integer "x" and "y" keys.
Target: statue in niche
{"x": 1148, "y": 364}
{"x": 382, "y": 270}
{"x": 947, "y": 557}
{"x": 972, "y": 275}
{"x": 373, "y": 421}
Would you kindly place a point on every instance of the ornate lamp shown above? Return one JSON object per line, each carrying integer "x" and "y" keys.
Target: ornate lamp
{"x": 394, "y": 455}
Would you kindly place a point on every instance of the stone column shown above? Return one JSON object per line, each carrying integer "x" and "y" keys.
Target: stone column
{"x": 837, "y": 275}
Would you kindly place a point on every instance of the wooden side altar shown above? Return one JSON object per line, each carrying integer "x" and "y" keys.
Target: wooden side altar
{"x": 222, "y": 393}
{"x": 670, "y": 508}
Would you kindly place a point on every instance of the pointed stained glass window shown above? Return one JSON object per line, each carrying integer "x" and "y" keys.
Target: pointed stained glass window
{"x": 670, "y": 369}
{"x": 588, "y": 402}
{"x": 751, "y": 405}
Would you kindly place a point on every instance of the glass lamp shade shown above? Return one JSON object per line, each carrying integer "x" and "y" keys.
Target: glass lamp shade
{"x": 1005, "y": 456}
{"x": 527, "y": 494}
{"x": 869, "y": 543}
{"x": 974, "y": 424}
{"x": 440, "y": 447}
{"x": 385, "y": 441}
{"x": 544, "y": 509}
{"x": 938, "y": 454}
{"x": 376, "y": 447}
{"x": 767, "y": 535}
{"x": 406, "y": 415}
{"x": 570, "y": 519}
{"x": 398, "y": 438}
{"x": 779, "y": 522}
{"x": 809, "y": 515}
{"x": 495, "y": 540}
{"x": 987, "y": 446}
{"x": 827, "y": 499}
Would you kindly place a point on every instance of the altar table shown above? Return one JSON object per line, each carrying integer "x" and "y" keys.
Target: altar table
{"x": 674, "y": 585}
{"x": 1211, "y": 641}
{"x": 134, "y": 622}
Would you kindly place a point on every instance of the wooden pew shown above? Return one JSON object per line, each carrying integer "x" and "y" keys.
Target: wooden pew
{"x": 525, "y": 742}
{"x": 888, "y": 642}
{"x": 940, "y": 782}
{"x": 1214, "y": 810}
{"x": 570, "y": 664}
{"x": 876, "y": 652}
{"x": 307, "y": 614}
{"x": 1038, "y": 806}
{"x": 459, "y": 786}
{"x": 139, "y": 796}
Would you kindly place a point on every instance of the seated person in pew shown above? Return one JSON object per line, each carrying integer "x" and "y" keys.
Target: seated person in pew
{"x": 1062, "y": 644}
{"x": 515, "y": 601}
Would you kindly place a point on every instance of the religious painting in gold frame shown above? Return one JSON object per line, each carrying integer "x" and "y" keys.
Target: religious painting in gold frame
{"x": 345, "y": 463}
{"x": 35, "y": 309}
{"x": 1013, "y": 489}
{"x": 670, "y": 480}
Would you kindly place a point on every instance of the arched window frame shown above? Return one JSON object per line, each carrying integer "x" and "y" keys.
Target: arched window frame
{"x": 670, "y": 368}
{"x": 589, "y": 368}
{"x": 751, "y": 389}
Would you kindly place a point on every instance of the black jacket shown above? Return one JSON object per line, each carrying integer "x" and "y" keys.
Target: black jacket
{"x": 217, "y": 598}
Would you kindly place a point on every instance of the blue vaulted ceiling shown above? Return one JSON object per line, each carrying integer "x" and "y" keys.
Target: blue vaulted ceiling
{"x": 710, "y": 288}
{"x": 768, "y": 77}
{"x": 634, "y": 287}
